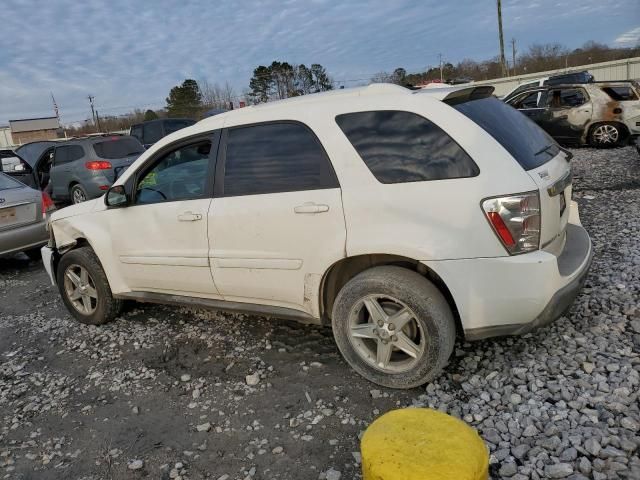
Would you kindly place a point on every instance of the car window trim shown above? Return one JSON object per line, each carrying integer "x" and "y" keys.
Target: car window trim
{"x": 212, "y": 136}
{"x": 329, "y": 173}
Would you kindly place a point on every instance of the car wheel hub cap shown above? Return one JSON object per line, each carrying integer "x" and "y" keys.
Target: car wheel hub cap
{"x": 80, "y": 289}
{"x": 385, "y": 333}
{"x": 606, "y": 134}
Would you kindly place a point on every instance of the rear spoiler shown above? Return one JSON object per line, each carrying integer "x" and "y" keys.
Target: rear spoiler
{"x": 468, "y": 94}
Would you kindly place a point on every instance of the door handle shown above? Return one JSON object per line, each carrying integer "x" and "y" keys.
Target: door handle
{"x": 562, "y": 117}
{"x": 311, "y": 207}
{"x": 189, "y": 217}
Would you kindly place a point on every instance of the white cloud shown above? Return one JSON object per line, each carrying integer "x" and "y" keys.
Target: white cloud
{"x": 629, "y": 39}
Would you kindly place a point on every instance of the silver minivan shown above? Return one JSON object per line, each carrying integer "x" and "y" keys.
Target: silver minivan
{"x": 85, "y": 168}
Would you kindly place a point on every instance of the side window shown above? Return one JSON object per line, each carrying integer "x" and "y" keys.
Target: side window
{"x": 567, "y": 98}
{"x": 620, "y": 94}
{"x": 527, "y": 101}
{"x": 136, "y": 131}
{"x": 403, "y": 147}
{"x": 273, "y": 158}
{"x": 152, "y": 132}
{"x": 67, "y": 154}
{"x": 179, "y": 175}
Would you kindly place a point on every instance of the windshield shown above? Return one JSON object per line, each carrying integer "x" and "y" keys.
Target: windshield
{"x": 7, "y": 182}
{"x": 524, "y": 140}
{"x": 119, "y": 148}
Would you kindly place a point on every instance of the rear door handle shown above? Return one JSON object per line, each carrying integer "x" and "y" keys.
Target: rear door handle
{"x": 311, "y": 208}
{"x": 189, "y": 217}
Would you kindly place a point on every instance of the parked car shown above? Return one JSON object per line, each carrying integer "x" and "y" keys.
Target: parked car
{"x": 401, "y": 218}
{"x": 150, "y": 132}
{"x": 561, "y": 79}
{"x": 84, "y": 168}
{"x": 601, "y": 114}
{"x": 23, "y": 218}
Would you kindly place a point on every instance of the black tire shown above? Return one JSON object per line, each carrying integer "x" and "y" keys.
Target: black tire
{"x": 107, "y": 307}
{"x": 77, "y": 194}
{"x": 432, "y": 313}
{"x": 607, "y": 135}
{"x": 34, "y": 254}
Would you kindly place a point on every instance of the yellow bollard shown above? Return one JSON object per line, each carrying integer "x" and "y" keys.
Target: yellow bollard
{"x": 422, "y": 444}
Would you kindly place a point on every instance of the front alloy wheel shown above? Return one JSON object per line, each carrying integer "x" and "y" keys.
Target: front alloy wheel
{"x": 80, "y": 289}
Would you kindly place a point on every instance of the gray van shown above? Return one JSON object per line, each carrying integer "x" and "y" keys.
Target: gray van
{"x": 85, "y": 168}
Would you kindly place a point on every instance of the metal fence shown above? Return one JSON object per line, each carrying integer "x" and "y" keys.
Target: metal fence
{"x": 626, "y": 69}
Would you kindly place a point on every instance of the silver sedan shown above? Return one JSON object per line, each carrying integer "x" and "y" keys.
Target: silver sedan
{"x": 23, "y": 218}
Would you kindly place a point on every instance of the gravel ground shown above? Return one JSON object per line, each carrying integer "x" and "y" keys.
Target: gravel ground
{"x": 178, "y": 393}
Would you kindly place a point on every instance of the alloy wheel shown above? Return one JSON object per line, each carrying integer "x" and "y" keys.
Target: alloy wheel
{"x": 78, "y": 196}
{"x": 80, "y": 289}
{"x": 606, "y": 134}
{"x": 386, "y": 334}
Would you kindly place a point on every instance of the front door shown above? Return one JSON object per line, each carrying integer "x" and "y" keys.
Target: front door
{"x": 277, "y": 223}
{"x": 160, "y": 239}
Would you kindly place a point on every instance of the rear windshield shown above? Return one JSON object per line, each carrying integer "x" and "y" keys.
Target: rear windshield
{"x": 524, "y": 140}
{"x": 171, "y": 126}
{"x": 7, "y": 182}
{"x": 119, "y": 148}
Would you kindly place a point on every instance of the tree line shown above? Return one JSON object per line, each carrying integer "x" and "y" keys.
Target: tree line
{"x": 281, "y": 79}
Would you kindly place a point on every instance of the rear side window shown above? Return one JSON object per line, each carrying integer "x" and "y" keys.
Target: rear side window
{"x": 567, "y": 98}
{"x": 120, "y": 148}
{"x": 66, "y": 154}
{"x": 274, "y": 158}
{"x": 620, "y": 94}
{"x": 403, "y": 147}
{"x": 152, "y": 132}
{"x": 524, "y": 140}
{"x": 171, "y": 126}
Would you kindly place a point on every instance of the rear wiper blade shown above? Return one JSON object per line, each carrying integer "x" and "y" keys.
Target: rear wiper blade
{"x": 544, "y": 149}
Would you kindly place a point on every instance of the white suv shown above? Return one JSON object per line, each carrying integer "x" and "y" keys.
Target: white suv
{"x": 401, "y": 218}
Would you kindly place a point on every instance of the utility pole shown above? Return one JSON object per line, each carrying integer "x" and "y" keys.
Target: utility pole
{"x": 513, "y": 53}
{"x": 441, "y": 74}
{"x": 98, "y": 121}
{"x": 503, "y": 62}
{"x": 93, "y": 113}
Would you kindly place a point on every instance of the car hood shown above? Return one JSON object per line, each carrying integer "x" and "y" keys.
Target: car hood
{"x": 75, "y": 210}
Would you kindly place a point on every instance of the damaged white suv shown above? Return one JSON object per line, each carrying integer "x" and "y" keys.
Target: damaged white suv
{"x": 403, "y": 219}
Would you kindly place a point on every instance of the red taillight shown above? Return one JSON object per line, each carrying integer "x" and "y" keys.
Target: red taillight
{"x": 501, "y": 228}
{"x": 47, "y": 204}
{"x": 98, "y": 165}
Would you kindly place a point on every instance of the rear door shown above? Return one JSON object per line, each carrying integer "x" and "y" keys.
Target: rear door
{"x": 62, "y": 168}
{"x": 568, "y": 114}
{"x": 276, "y": 222}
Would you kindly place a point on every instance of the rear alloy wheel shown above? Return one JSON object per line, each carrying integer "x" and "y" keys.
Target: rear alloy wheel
{"x": 606, "y": 135}
{"x": 394, "y": 327}
{"x": 78, "y": 194}
{"x": 85, "y": 289}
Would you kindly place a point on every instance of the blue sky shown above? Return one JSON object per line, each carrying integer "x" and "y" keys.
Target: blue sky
{"x": 130, "y": 53}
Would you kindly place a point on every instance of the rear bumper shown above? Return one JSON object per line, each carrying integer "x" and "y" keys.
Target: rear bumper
{"x": 515, "y": 295}
{"x": 23, "y": 238}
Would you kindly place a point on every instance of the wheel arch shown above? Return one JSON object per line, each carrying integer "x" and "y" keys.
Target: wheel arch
{"x": 346, "y": 268}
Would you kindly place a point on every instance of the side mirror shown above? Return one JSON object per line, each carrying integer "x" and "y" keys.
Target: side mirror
{"x": 116, "y": 197}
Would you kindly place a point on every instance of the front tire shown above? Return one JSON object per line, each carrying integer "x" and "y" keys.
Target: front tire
{"x": 78, "y": 194}
{"x": 394, "y": 327}
{"x": 606, "y": 135}
{"x": 84, "y": 288}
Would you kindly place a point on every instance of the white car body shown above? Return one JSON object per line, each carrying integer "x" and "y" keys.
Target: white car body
{"x": 257, "y": 251}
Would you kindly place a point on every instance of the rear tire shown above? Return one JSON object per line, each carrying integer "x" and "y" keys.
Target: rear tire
{"x": 78, "y": 194}
{"x": 606, "y": 135}
{"x": 85, "y": 289}
{"x": 408, "y": 341}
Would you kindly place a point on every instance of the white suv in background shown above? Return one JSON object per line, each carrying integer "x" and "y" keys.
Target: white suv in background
{"x": 401, "y": 218}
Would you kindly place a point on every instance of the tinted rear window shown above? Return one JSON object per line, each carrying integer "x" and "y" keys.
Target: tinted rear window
{"x": 120, "y": 148}
{"x": 401, "y": 147}
{"x": 524, "y": 140}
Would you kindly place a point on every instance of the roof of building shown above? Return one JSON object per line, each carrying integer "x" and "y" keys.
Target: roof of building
{"x": 32, "y": 124}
